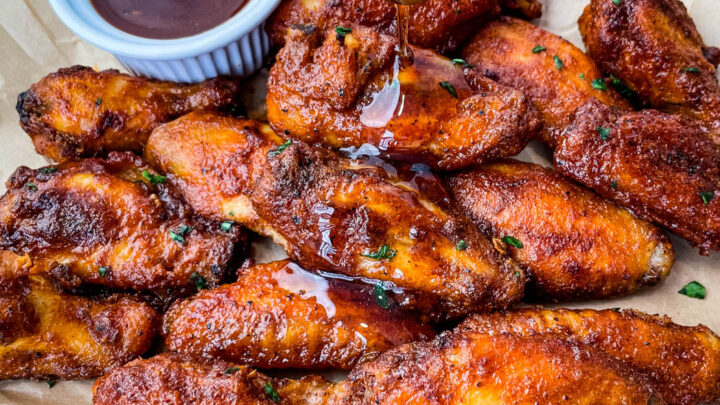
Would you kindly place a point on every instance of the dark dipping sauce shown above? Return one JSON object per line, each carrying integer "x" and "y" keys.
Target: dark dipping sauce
{"x": 166, "y": 19}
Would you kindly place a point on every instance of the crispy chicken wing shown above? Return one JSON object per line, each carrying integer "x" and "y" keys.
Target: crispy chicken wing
{"x": 556, "y": 75}
{"x": 45, "y": 333}
{"x": 654, "y": 46}
{"x": 336, "y": 214}
{"x": 566, "y": 236}
{"x": 660, "y": 166}
{"x": 348, "y": 90}
{"x": 682, "y": 363}
{"x": 279, "y": 315}
{"x": 112, "y": 223}
{"x": 78, "y": 112}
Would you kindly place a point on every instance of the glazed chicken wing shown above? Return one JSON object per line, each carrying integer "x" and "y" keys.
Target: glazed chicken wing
{"x": 279, "y": 315}
{"x": 348, "y": 90}
{"x": 336, "y": 214}
{"x": 682, "y": 363}
{"x": 46, "y": 334}
{"x": 567, "y": 237}
{"x": 556, "y": 75}
{"x": 78, "y": 112}
{"x": 111, "y": 222}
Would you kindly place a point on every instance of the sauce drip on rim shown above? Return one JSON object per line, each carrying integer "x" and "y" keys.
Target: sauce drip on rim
{"x": 166, "y": 19}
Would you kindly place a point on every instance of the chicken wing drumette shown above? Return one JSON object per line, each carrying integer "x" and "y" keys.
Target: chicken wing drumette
{"x": 78, "y": 112}
{"x": 336, "y": 214}
{"x": 348, "y": 90}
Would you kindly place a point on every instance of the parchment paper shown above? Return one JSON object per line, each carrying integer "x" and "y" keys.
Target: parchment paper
{"x": 33, "y": 43}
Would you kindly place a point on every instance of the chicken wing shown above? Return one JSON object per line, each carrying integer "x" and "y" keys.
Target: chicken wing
{"x": 336, "y": 214}
{"x": 112, "y": 223}
{"x": 682, "y": 363}
{"x": 660, "y": 166}
{"x": 566, "y": 236}
{"x": 654, "y": 46}
{"x": 556, "y": 75}
{"x": 279, "y": 315}
{"x": 78, "y": 112}
{"x": 348, "y": 90}
{"x": 45, "y": 333}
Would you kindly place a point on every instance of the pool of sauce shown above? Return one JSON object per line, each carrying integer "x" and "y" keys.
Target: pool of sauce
{"x": 166, "y": 19}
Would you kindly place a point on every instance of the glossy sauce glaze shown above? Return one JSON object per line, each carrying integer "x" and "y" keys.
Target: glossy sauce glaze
{"x": 166, "y": 19}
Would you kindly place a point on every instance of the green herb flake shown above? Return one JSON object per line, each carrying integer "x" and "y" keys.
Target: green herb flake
{"x": 625, "y": 91}
{"x": 604, "y": 133}
{"x": 617, "y": 2}
{"x": 49, "y": 169}
{"x": 582, "y": 76}
{"x": 599, "y": 84}
{"x": 152, "y": 178}
{"x": 231, "y": 370}
{"x": 98, "y": 102}
{"x": 179, "y": 235}
{"x": 558, "y": 62}
{"x": 51, "y": 383}
{"x": 538, "y": 49}
{"x": 271, "y": 392}
{"x": 706, "y": 196}
{"x": 31, "y": 186}
{"x": 226, "y": 226}
{"x": 614, "y": 184}
{"x": 280, "y": 148}
{"x": 381, "y": 296}
{"x": 461, "y": 245}
{"x": 342, "y": 31}
{"x": 517, "y": 274}
{"x": 514, "y": 242}
{"x": 450, "y": 88}
{"x": 198, "y": 280}
{"x": 384, "y": 253}
{"x": 461, "y": 62}
{"x": 692, "y": 70}
{"x": 694, "y": 289}
{"x": 616, "y": 309}
{"x": 102, "y": 271}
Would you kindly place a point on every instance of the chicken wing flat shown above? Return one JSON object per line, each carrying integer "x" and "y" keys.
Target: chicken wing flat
{"x": 78, "y": 112}
{"x": 279, "y": 315}
{"x": 48, "y": 334}
{"x": 653, "y": 45}
{"x": 556, "y": 75}
{"x": 566, "y": 236}
{"x": 660, "y": 166}
{"x": 335, "y": 214}
{"x": 682, "y": 363}
{"x": 348, "y": 90}
{"x": 111, "y": 222}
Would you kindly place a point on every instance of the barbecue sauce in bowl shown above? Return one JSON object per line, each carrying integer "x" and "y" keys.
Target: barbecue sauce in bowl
{"x": 166, "y": 19}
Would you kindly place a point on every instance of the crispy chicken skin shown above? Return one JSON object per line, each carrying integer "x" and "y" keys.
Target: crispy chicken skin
{"x": 682, "y": 363}
{"x": 654, "y": 46}
{"x": 101, "y": 222}
{"x": 660, "y": 166}
{"x": 345, "y": 91}
{"x": 336, "y": 214}
{"x": 503, "y": 50}
{"x": 279, "y": 315}
{"x": 45, "y": 333}
{"x": 78, "y": 112}
{"x": 570, "y": 236}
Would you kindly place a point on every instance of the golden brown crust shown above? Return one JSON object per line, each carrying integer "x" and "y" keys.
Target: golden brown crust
{"x": 101, "y": 222}
{"x": 682, "y": 363}
{"x": 345, "y": 91}
{"x": 78, "y": 112}
{"x": 654, "y": 47}
{"x": 66, "y": 336}
{"x": 335, "y": 214}
{"x": 659, "y": 166}
{"x": 575, "y": 245}
{"x": 503, "y": 50}
{"x": 279, "y": 315}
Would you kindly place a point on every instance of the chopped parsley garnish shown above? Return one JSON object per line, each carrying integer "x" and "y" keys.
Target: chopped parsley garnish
{"x": 30, "y": 185}
{"x": 449, "y": 87}
{"x": 280, "y": 148}
{"x": 692, "y": 70}
{"x": 49, "y": 169}
{"x": 512, "y": 241}
{"x": 98, "y": 102}
{"x": 231, "y": 370}
{"x": 517, "y": 274}
{"x": 614, "y": 184}
{"x": 152, "y": 178}
{"x": 51, "y": 383}
{"x": 383, "y": 253}
{"x": 271, "y": 392}
{"x": 558, "y": 62}
{"x": 625, "y": 91}
{"x": 461, "y": 62}
{"x": 599, "y": 84}
{"x": 179, "y": 235}
{"x": 538, "y": 49}
{"x": 381, "y": 296}
{"x": 694, "y": 289}
{"x": 198, "y": 280}
{"x": 706, "y": 196}
{"x": 616, "y": 2}
{"x": 616, "y": 309}
{"x": 102, "y": 271}
{"x": 582, "y": 76}
{"x": 342, "y": 31}
{"x": 226, "y": 226}
{"x": 604, "y": 133}
{"x": 461, "y": 245}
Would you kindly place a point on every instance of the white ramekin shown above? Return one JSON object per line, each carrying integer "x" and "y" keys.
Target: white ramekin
{"x": 235, "y": 47}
